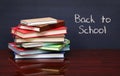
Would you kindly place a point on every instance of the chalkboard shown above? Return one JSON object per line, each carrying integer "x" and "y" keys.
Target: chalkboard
{"x": 92, "y": 24}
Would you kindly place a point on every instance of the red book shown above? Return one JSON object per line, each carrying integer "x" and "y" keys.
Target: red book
{"x": 28, "y": 34}
{"x": 44, "y": 27}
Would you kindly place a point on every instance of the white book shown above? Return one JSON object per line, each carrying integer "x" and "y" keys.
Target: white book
{"x": 39, "y": 21}
{"x": 41, "y": 39}
{"x": 47, "y": 55}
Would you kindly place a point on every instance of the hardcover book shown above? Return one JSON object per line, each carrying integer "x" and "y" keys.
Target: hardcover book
{"x": 45, "y": 55}
{"x": 23, "y": 51}
{"x": 39, "y": 21}
{"x": 54, "y": 38}
{"x": 37, "y": 60}
{"x": 28, "y": 34}
{"x": 37, "y": 44}
{"x": 55, "y": 47}
{"x": 44, "y": 27}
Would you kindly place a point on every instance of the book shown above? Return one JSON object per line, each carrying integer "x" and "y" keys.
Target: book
{"x": 28, "y": 34}
{"x": 44, "y": 27}
{"x": 37, "y": 61}
{"x": 45, "y": 55}
{"x": 23, "y": 51}
{"x": 55, "y": 38}
{"x": 39, "y": 21}
{"x": 55, "y": 47}
{"x": 32, "y": 45}
{"x": 36, "y": 44}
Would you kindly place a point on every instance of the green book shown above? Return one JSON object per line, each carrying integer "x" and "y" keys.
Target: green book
{"x": 55, "y": 47}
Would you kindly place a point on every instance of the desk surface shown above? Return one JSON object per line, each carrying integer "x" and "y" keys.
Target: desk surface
{"x": 80, "y": 63}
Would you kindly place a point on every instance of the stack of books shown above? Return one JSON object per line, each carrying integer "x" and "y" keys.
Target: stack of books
{"x": 39, "y": 47}
{"x": 39, "y": 38}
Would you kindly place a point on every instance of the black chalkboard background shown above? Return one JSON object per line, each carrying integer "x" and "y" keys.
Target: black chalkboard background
{"x": 12, "y": 11}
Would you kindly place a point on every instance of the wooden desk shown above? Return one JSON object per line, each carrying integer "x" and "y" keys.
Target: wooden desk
{"x": 81, "y": 63}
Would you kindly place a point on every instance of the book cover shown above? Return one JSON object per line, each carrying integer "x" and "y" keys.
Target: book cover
{"x": 23, "y": 51}
{"x": 27, "y": 34}
{"x": 44, "y": 27}
{"x": 37, "y": 44}
{"x": 55, "y": 47}
{"x": 56, "y": 38}
{"x": 45, "y": 55}
{"x": 38, "y": 21}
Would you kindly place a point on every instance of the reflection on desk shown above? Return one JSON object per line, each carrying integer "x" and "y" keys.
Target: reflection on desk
{"x": 79, "y": 63}
{"x": 38, "y": 67}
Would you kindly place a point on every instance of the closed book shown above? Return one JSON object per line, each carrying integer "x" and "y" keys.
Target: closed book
{"x": 55, "y": 38}
{"x": 64, "y": 47}
{"x": 43, "y": 27}
{"x": 36, "y": 44}
{"x": 39, "y": 21}
{"x": 45, "y": 55}
{"x": 28, "y": 34}
{"x": 55, "y": 47}
{"x": 22, "y": 51}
